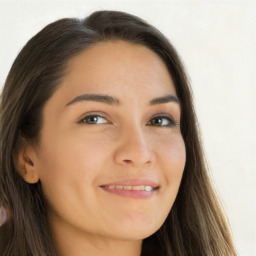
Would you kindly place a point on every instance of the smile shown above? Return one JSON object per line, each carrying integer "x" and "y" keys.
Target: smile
{"x": 136, "y": 192}
{"x": 137, "y": 188}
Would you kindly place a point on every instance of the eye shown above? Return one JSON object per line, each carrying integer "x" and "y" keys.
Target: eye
{"x": 163, "y": 121}
{"x": 93, "y": 119}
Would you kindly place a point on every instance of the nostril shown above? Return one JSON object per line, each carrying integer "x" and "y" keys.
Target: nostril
{"x": 128, "y": 161}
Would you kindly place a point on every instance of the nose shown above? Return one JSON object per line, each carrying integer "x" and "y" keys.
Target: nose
{"x": 134, "y": 148}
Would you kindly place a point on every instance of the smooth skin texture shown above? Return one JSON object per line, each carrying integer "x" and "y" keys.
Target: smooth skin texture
{"x": 77, "y": 155}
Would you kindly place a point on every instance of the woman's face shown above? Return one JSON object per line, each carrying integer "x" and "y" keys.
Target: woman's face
{"x": 133, "y": 140}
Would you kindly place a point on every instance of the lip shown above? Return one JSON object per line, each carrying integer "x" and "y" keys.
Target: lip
{"x": 132, "y": 193}
{"x": 133, "y": 182}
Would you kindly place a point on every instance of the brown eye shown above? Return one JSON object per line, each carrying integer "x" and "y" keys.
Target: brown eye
{"x": 92, "y": 119}
{"x": 163, "y": 121}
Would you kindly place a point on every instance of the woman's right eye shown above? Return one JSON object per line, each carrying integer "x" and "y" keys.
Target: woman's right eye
{"x": 92, "y": 119}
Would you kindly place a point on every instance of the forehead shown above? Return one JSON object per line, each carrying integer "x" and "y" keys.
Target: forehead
{"x": 116, "y": 64}
{"x": 133, "y": 74}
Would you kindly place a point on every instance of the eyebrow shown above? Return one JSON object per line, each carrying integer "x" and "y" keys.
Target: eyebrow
{"x": 113, "y": 101}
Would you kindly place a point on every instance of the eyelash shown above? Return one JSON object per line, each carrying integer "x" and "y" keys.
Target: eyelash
{"x": 172, "y": 122}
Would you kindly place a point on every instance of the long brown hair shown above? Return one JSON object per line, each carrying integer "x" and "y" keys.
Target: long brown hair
{"x": 195, "y": 225}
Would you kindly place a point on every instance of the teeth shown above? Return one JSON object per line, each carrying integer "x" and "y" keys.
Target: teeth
{"x": 138, "y": 188}
{"x": 148, "y": 188}
{"x": 128, "y": 187}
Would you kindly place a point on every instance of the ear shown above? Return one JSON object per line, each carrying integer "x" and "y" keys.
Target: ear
{"x": 24, "y": 160}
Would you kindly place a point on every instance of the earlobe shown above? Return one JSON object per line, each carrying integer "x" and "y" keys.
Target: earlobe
{"x": 24, "y": 161}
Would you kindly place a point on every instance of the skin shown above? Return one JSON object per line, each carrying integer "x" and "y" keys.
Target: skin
{"x": 73, "y": 159}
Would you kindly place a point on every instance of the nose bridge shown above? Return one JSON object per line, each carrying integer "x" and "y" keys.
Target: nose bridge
{"x": 134, "y": 147}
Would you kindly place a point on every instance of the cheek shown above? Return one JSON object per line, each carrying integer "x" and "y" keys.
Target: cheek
{"x": 173, "y": 155}
{"x": 69, "y": 160}
{"x": 69, "y": 169}
{"x": 173, "y": 158}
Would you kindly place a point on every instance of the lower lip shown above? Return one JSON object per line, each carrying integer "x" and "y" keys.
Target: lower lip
{"x": 131, "y": 193}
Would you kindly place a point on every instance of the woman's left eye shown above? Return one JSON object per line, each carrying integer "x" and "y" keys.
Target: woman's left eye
{"x": 163, "y": 121}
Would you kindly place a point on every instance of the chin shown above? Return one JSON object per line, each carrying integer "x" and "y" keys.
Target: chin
{"x": 137, "y": 231}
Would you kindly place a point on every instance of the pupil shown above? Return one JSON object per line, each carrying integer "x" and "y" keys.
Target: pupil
{"x": 158, "y": 121}
{"x": 93, "y": 119}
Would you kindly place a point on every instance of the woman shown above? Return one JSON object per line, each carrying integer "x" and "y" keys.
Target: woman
{"x": 100, "y": 153}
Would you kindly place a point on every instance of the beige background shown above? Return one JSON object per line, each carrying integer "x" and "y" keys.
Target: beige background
{"x": 217, "y": 42}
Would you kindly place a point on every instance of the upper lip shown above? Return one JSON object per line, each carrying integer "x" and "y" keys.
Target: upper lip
{"x": 133, "y": 182}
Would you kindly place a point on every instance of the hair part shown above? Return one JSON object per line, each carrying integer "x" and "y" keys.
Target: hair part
{"x": 195, "y": 225}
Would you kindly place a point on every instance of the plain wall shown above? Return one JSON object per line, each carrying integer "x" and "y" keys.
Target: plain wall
{"x": 216, "y": 41}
